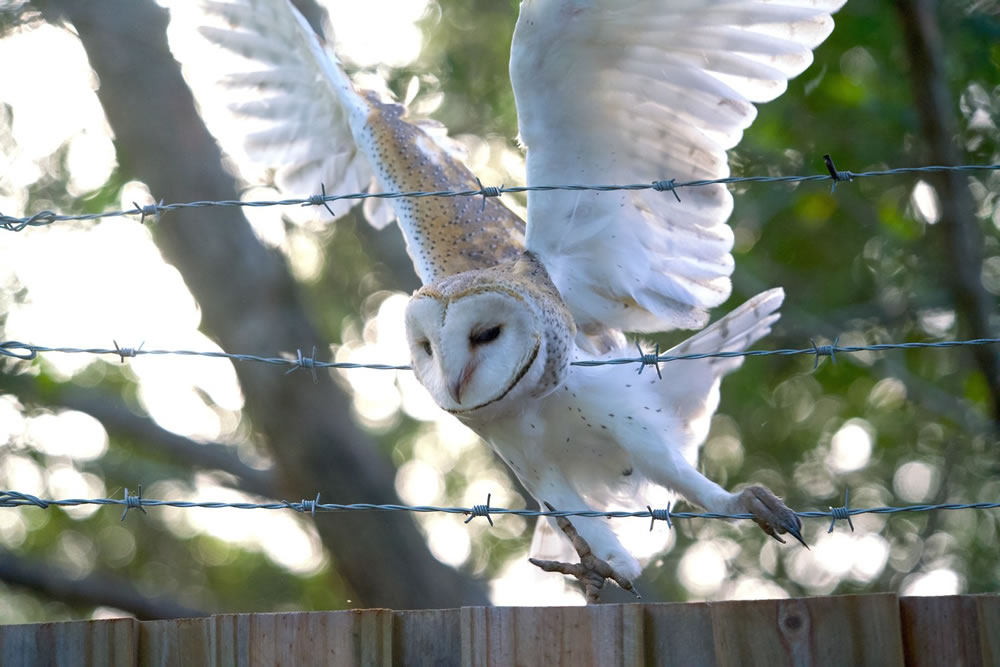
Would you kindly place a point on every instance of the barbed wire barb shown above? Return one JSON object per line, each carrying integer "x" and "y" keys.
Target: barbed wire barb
{"x": 667, "y": 186}
{"x": 488, "y": 191}
{"x": 305, "y": 362}
{"x": 659, "y": 514}
{"x": 133, "y": 502}
{"x": 127, "y": 351}
{"x": 481, "y": 510}
{"x": 825, "y": 351}
{"x": 842, "y": 512}
{"x": 150, "y": 209}
{"x": 42, "y": 218}
{"x": 321, "y": 200}
{"x": 836, "y": 175}
{"x": 652, "y": 359}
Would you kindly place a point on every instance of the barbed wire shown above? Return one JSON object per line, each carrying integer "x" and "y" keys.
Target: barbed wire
{"x": 42, "y": 218}
{"x": 28, "y": 352}
{"x": 136, "y": 501}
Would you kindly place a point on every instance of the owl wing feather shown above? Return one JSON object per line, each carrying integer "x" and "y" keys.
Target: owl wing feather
{"x": 266, "y": 88}
{"x": 290, "y": 107}
{"x": 625, "y": 92}
{"x": 674, "y": 425}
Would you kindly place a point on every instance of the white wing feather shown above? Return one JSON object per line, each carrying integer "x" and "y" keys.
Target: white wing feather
{"x": 627, "y": 92}
{"x": 277, "y": 100}
{"x": 263, "y": 84}
{"x": 659, "y": 420}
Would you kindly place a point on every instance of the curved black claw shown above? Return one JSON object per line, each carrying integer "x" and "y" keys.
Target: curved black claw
{"x": 771, "y": 514}
{"x": 591, "y": 570}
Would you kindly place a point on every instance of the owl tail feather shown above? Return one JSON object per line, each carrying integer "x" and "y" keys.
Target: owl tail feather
{"x": 735, "y": 332}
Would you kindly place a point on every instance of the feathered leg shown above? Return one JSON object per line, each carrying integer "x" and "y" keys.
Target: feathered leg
{"x": 591, "y": 570}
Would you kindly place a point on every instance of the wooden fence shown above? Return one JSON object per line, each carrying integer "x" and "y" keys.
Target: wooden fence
{"x": 881, "y": 630}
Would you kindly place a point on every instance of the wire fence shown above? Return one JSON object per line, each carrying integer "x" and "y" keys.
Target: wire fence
{"x": 28, "y": 352}
{"x": 136, "y": 501}
{"x": 42, "y": 218}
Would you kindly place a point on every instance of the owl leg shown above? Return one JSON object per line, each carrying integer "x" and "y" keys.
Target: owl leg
{"x": 667, "y": 467}
{"x": 554, "y": 490}
{"x": 591, "y": 570}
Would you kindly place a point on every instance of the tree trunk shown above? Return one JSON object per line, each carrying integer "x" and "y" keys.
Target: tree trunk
{"x": 961, "y": 234}
{"x": 94, "y": 589}
{"x": 249, "y": 301}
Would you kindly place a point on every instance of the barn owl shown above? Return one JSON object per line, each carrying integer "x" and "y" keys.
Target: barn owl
{"x": 605, "y": 92}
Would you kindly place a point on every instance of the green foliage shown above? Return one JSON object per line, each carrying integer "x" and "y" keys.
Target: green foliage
{"x": 858, "y": 262}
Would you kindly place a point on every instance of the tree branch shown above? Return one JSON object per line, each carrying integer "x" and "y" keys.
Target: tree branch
{"x": 121, "y": 422}
{"x": 144, "y": 432}
{"x": 94, "y": 590}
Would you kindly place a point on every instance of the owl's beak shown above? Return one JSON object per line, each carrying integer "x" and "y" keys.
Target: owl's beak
{"x": 458, "y": 385}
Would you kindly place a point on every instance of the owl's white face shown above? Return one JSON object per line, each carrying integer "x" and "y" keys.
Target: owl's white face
{"x": 475, "y": 352}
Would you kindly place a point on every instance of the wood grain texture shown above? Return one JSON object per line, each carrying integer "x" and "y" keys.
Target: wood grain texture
{"x": 111, "y": 643}
{"x": 855, "y": 630}
{"x": 571, "y": 636}
{"x": 959, "y": 630}
{"x": 679, "y": 634}
{"x": 840, "y": 630}
{"x": 361, "y": 637}
{"x": 427, "y": 638}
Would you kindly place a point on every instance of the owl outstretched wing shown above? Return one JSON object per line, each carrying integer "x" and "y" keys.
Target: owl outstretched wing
{"x": 625, "y": 92}
{"x": 288, "y": 106}
{"x": 267, "y": 94}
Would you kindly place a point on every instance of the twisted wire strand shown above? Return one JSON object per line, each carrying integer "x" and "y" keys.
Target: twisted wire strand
{"x": 13, "y": 499}
{"x": 42, "y": 218}
{"x": 29, "y": 351}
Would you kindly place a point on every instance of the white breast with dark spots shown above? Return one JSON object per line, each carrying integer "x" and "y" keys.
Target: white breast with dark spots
{"x": 587, "y": 431}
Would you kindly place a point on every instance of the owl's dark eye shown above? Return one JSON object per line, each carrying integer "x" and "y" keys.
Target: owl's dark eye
{"x": 485, "y": 336}
{"x": 427, "y": 348}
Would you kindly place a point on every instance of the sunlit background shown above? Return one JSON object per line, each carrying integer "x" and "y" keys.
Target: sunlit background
{"x": 863, "y": 424}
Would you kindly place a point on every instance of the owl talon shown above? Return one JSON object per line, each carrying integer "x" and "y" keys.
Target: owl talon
{"x": 771, "y": 514}
{"x": 591, "y": 570}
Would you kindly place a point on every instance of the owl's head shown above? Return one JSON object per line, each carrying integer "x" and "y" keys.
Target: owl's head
{"x": 479, "y": 340}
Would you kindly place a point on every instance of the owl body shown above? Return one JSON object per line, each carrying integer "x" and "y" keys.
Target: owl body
{"x": 606, "y": 92}
{"x": 570, "y": 461}
{"x": 602, "y": 437}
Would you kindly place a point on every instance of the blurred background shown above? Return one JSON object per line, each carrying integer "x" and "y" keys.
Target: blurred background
{"x": 94, "y": 115}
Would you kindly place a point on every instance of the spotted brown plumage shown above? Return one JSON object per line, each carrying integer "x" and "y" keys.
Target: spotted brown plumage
{"x": 444, "y": 235}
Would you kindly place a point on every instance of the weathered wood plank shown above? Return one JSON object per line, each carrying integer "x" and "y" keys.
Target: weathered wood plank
{"x": 572, "y": 636}
{"x": 988, "y": 614}
{"x": 850, "y": 630}
{"x": 960, "y": 630}
{"x": 110, "y": 643}
{"x": 427, "y": 638}
{"x": 840, "y": 630}
{"x": 252, "y": 640}
{"x": 679, "y": 634}
{"x": 174, "y": 642}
